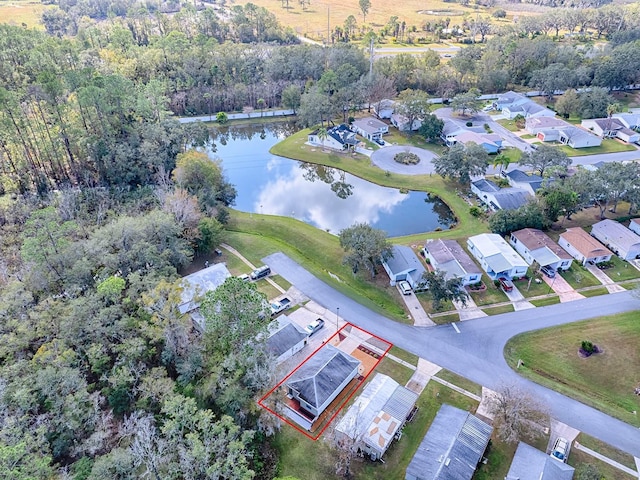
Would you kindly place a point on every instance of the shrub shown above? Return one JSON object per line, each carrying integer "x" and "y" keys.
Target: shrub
{"x": 499, "y": 13}
{"x": 475, "y": 211}
{"x": 407, "y": 158}
{"x": 588, "y": 347}
{"x": 469, "y": 124}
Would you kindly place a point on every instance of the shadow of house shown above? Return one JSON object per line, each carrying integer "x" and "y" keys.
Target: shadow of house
{"x": 318, "y": 381}
{"x": 531, "y": 464}
{"x": 452, "y": 448}
{"x": 404, "y": 265}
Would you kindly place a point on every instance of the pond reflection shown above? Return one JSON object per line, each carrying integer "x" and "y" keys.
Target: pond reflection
{"x": 325, "y": 197}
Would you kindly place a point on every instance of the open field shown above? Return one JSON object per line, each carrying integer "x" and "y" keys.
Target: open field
{"x": 605, "y": 381}
{"x": 19, "y": 12}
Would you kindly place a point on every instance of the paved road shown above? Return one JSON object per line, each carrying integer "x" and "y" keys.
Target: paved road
{"x": 238, "y": 116}
{"x": 476, "y": 352}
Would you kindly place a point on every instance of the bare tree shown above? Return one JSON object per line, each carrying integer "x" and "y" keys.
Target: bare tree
{"x": 345, "y": 438}
{"x": 517, "y": 413}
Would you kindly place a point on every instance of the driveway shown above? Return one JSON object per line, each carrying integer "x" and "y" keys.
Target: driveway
{"x": 519, "y": 302}
{"x": 565, "y": 292}
{"x": 477, "y": 351}
{"x": 604, "y": 279}
{"x": 420, "y": 317}
{"x": 383, "y": 158}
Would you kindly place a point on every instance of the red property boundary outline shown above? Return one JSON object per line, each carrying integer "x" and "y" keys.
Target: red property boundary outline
{"x": 339, "y": 409}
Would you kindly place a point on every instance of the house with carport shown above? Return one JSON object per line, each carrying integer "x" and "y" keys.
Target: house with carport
{"x": 552, "y": 129}
{"x": 618, "y": 238}
{"x": 286, "y": 338}
{"x": 536, "y": 246}
{"x": 529, "y": 463}
{"x": 452, "y": 448}
{"x": 611, "y": 128}
{"x": 377, "y": 416}
{"x": 634, "y": 225}
{"x": 496, "y": 257}
{"x": 404, "y": 265}
{"x": 339, "y": 138}
{"x": 512, "y": 104}
{"x": 449, "y": 257}
{"x": 370, "y": 128}
{"x": 497, "y": 198}
{"x": 318, "y": 382}
{"x": 583, "y": 247}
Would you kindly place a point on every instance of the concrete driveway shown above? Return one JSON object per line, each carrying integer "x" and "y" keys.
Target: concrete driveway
{"x": 420, "y": 317}
{"x": 604, "y": 279}
{"x": 519, "y": 302}
{"x": 383, "y": 158}
{"x": 475, "y": 349}
{"x": 559, "y": 285}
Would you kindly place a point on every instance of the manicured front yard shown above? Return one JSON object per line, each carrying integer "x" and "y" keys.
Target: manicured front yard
{"x": 605, "y": 381}
{"x": 498, "y": 310}
{"x": 594, "y": 292}
{"x": 532, "y": 288}
{"x": 543, "y": 302}
{"x": 579, "y": 277}
{"x": 395, "y": 370}
{"x": 459, "y": 381}
{"x": 621, "y": 270}
{"x": 490, "y": 295}
{"x": 509, "y": 124}
{"x": 608, "y": 146}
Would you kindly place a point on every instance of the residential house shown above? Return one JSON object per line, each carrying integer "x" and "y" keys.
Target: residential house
{"x": 318, "y": 382}
{"x": 513, "y": 104}
{"x": 634, "y": 225}
{"x": 339, "y": 137}
{"x": 532, "y": 464}
{"x": 629, "y": 120}
{"x": 611, "y": 128}
{"x": 402, "y": 123}
{"x": 618, "y": 238}
{"x": 449, "y": 257}
{"x": 452, "y": 448}
{"x": 551, "y": 129}
{"x": 496, "y": 257}
{"x": 528, "y": 182}
{"x": 377, "y": 415}
{"x": 286, "y": 338}
{"x": 384, "y": 108}
{"x": 195, "y": 285}
{"x": 583, "y": 247}
{"x": 535, "y": 245}
{"x": 455, "y": 131}
{"x": 404, "y": 265}
{"x": 370, "y": 128}
{"x": 497, "y": 198}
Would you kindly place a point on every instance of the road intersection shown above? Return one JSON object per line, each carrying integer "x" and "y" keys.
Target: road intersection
{"x": 474, "y": 349}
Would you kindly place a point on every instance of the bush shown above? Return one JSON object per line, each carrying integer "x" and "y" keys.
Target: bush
{"x": 499, "y": 13}
{"x": 475, "y": 212}
{"x": 588, "y": 347}
{"x": 407, "y": 158}
{"x": 469, "y": 124}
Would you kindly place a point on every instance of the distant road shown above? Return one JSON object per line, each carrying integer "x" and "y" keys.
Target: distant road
{"x": 238, "y": 116}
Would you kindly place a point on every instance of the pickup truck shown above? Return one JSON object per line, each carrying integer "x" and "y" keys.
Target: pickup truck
{"x": 279, "y": 306}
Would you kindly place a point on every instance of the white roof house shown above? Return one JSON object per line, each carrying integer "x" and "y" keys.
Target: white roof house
{"x": 618, "y": 238}
{"x": 496, "y": 257}
{"x": 634, "y": 225}
{"x": 513, "y": 104}
{"x": 629, "y": 120}
{"x": 194, "y": 286}
{"x": 449, "y": 257}
{"x": 377, "y": 415}
{"x": 370, "y": 128}
{"x": 551, "y": 129}
{"x": 497, "y": 198}
{"x": 535, "y": 245}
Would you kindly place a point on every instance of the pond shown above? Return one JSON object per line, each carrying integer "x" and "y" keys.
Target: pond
{"x": 324, "y": 197}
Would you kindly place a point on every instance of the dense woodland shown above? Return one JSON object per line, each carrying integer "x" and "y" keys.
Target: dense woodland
{"x": 105, "y": 196}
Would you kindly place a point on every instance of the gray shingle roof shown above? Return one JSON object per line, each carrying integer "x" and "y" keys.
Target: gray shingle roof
{"x": 511, "y": 198}
{"x": 319, "y": 377}
{"x": 199, "y": 283}
{"x": 404, "y": 259}
{"x": 452, "y": 447}
{"x": 285, "y": 338}
{"x": 522, "y": 177}
{"x": 486, "y": 185}
{"x": 343, "y": 134}
{"x": 451, "y": 258}
{"x": 531, "y": 464}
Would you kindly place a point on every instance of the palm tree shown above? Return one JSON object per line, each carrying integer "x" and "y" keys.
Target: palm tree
{"x": 503, "y": 161}
{"x": 322, "y": 135}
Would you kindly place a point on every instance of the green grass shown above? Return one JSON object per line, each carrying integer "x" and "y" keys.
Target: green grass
{"x": 404, "y": 355}
{"x": 426, "y": 300}
{"x": 604, "y": 381}
{"x": 527, "y": 136}
{"x": 509, "y": 124}
{"x": 319, "y": 252}
{"x": 294, "y": 147}
{"x": 533, "y": 289}
{"x": 630, "y": 285}
{"x": 458, "y": 381}
{"x": 498, "y": 310}
{"x": 491, "y": 295}
{"x": 543, "y": 302}
{"x": 513, "y": 154}
{"x": 606, "y": 450}
{"x": 400, "y": 138}
{"x": 608, "y": 146}
{"x": 579, "y": 277}
{"x": 621, "y": 271}
{"x": 18, "y": 12}
{"x": 395, "y": 370}
{"x": 443, "y": 319}
{"x": 594, "y": 292}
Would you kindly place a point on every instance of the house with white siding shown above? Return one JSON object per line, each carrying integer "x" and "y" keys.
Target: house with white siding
{"x": 552, "y": 129}
{"x": 370, "y": 128}
{"x": 449, "y": 257}
{"x": 497, "y": 198}
{"x": 286, "y": 338}
{"x": 339, "y": 137}
{"x": 496, "y": 257}
{"x": 583, "y": 247}
{"x": 618, "y": 238}
{"x": 512, "y": 104}
{"x": 535, "y": 245}
{"x": 404, "y": 265}
{"x": 611, "y": 128}
{"x": 634, "y": 225}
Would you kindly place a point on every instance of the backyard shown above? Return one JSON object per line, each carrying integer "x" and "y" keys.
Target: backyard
{"x": 603, "y": 380}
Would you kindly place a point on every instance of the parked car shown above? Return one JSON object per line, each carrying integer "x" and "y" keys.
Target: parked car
{"x": 279, "y": 306}
{"x": 261, "y": 272}
{"x": 404, "y": 287}
{"x": 560, "y": 450}
{"x": 244, "y": 277}
{"x": 379, "y": 141}
{"x": 548, "y": 271}
{"x": 314, "y": 326}
{"x": 488, "y": 108}
{"x": 506, "y": 284}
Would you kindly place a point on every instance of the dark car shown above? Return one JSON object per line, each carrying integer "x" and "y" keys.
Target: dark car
{"x": 379, "y": 141}
{"x": 548, "y": 271}
{"x": 506, "y": 284}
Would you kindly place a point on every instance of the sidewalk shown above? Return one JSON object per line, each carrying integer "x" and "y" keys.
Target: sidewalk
{"x": 230, "y": 249}
{"x": 565, "y": 291}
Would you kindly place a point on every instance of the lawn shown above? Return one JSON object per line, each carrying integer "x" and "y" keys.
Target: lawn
{"x": 404, "y": 355}
{"x": 509, "y": 124}
{"x": 395, "y": 370}
{"x": 608, "y": 146}
{"x": 498, "y": 310}
{"x": 19, "y": 12}
{"x": 400, "y": 138}
{"x": 513, "y": 154}
{"x": 594, "y": 292}
{"x": 605, "y": 380}
{"x": 459, "y": 381}
{"x": 527, "y": 136}
{"x": 444, "y": 319}
{"x": 543, "y": 302}
{"x": 491, "y": 295}
{"x": 621, "y": 271}
{"x": 579, "y": 277}
{"x": 426, "y": 300}
{"x": 606, "y": 450}
{"x": 532, "y": 289}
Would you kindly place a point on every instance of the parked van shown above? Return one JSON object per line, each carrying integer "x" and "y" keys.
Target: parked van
{"x": 261, "y": 272}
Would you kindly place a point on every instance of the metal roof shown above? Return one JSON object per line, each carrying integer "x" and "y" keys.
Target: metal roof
{"x": 452, "y": 447}
{"x": 531, "y": 464}
{"x": 199, "y": 283}
{"x": 451, "y": 258}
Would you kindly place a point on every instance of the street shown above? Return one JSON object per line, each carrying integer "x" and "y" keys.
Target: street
{"x": 476, "y": 352}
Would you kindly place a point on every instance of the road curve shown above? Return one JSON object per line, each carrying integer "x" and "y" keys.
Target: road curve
{"x": 476, "y": 352}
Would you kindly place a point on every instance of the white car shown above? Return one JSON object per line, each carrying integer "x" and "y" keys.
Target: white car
{"x": 560, "y": 449}
{"x": 404, "y": 287}
{"x": 314, "y": 326}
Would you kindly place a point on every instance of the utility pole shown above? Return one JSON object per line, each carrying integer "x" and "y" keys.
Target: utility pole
{"x": 371, "y": 56}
